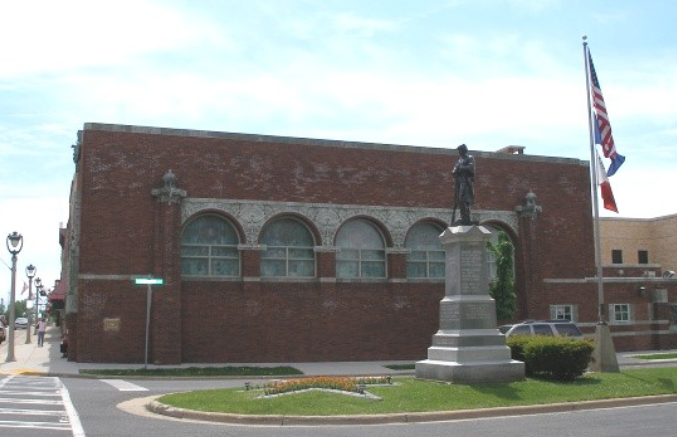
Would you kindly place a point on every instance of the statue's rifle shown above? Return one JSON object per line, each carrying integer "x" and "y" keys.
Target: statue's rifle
{"x": 456, "y": 188}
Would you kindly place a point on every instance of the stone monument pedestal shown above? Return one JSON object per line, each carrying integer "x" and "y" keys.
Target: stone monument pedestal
{"x": 468, "y": 347}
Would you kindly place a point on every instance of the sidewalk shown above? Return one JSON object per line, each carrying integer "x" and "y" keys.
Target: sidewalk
{"x": 47, "y": 360}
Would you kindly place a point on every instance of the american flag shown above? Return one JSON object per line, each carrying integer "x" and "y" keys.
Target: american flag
{"x": 602, "y": 117}
{"x": 603, "y": 134}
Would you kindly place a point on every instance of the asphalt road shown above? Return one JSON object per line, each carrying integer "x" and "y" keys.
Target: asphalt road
{"x": 95, "y": 402}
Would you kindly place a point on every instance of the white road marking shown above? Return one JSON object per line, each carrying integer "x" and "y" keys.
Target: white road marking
{"x": 29, "y": 401}
{"x": 20, "y": 412}
{"x": 123, "y": 385}
{"x": 36, "y": 425}
{"x": 73, "y": 416}
{"x": 29, "y": 392}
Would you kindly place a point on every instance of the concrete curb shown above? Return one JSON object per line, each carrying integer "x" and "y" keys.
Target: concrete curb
{"x": 437, "y": 416}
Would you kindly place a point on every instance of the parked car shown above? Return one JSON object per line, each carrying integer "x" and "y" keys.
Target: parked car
{"x": 558, "y": 328}
{"x": 21, "y": 323}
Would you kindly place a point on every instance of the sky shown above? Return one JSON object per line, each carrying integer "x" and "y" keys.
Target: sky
{"x": 431, "y": 73}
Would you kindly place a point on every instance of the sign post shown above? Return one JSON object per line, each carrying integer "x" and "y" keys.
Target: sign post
{"x": 149, "y": 299}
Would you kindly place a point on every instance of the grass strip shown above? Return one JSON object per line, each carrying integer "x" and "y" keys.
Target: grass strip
{"x": 198, "y": 371}
{"x": 656, "y": 356}
{"x": 412, "y": 395}
{"x": 400, "y": 366}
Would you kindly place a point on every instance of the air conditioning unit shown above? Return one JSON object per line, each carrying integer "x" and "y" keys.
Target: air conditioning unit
{"x": 668, "y": 274}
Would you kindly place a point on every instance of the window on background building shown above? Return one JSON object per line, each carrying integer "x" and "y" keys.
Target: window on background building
{"x": 426, "y": 256}
{"x": 361, "y": 251}
{"x": 289, "y": 250}
{"x": 617, "y": 256}
{"x": 209, "y": 248}
{"x": 562, "y": 312}
{"x": 643, "y": 256}
{"x": 620, "y": 312}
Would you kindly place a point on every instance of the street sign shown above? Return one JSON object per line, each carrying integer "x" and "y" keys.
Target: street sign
{"x": 149, "y": 281}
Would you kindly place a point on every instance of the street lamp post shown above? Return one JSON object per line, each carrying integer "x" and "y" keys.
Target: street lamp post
{"x": 14, "y": 243}
{"x": 30, "y": 272}
{"x": 38, "y": 289}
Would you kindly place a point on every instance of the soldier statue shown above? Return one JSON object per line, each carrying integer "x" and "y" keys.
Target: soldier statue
{"x": 464, "y": 176}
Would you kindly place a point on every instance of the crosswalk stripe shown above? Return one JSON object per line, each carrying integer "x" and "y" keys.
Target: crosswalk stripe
{"x": 24, "y": 412}
{"x": 29, "y": 401}
{"x": 124, "y": 385}
{"x": 28, "y": 393}
{"x": 34, "y": 425}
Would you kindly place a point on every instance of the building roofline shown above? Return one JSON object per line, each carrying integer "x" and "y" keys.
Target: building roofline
{"x": 257, "y": 138}
{"x": 630, "y": 219}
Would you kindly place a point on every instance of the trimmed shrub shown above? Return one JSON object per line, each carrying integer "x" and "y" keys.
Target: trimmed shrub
{"x": 555, "y": 358}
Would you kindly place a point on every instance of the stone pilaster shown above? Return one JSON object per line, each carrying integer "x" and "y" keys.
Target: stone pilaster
{"x": 530, "y": 286}
{"x": 165, "y": 343}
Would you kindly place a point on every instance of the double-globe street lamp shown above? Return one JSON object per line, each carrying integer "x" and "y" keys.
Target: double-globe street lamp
{"x": 30, "y": 272}
{"x": 14, "y": 243}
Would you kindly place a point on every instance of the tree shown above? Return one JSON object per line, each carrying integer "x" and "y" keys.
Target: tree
{"x": 502, "y": 289}
{"x": 19, "y": 309}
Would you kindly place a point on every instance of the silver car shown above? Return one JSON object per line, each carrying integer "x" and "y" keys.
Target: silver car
{"x": 542, "y": 327}
{"x": 21, "y": 323}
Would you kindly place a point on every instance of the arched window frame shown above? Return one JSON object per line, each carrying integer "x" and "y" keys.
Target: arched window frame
{"x": 211, "y": 253}
{"x": 362, "y": 258}
{"x": 427, "y": 260}
{"x": 288, "y": 255}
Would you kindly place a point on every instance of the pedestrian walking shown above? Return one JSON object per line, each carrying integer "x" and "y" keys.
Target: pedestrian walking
{"x": 42, "y": 326}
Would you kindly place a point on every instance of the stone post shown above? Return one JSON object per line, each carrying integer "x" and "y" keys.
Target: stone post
{"x": 468, "y": 347}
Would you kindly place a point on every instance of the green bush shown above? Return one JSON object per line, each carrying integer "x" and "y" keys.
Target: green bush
{"x": 556, "y": 358}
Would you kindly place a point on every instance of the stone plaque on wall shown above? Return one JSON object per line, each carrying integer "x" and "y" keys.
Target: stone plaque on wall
{"x": 111, "y": 325}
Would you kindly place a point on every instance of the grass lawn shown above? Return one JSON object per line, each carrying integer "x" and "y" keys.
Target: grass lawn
{"x": 656, "y": 356}
{"x": 198, "y": 371}
{"x": 411, "y": 395}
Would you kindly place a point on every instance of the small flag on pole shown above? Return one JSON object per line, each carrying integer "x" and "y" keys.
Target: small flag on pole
{"x": 23, "y": 290}
{"x": 605, "y": 187}
{"x": 603, "y": 134}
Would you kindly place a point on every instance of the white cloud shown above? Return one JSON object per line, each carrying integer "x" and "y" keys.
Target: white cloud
{"x": 72, "y": 34}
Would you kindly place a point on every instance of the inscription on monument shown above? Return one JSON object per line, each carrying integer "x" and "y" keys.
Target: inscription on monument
{"x": 449, "y": 313}
{"x": 471, "y": 268}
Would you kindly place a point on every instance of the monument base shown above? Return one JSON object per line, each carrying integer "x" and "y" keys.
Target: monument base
{"x": 465, "y": 373}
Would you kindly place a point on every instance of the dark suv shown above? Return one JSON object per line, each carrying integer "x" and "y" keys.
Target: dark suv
{"x": 559, "y": 328}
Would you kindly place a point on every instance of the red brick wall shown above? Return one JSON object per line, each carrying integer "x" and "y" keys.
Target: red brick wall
{"x": 282, "y": 322}
{"x": 262, "y": 321}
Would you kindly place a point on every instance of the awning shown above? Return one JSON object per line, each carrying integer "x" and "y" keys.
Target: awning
{"x": 59, "y": 292}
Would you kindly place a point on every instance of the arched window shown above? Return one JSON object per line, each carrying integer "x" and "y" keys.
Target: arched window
{"x": 426, "y": 256}
{"x": 361, "y": 251}
{"x": 289, "y": 250}
{"x": 209, "y": 248}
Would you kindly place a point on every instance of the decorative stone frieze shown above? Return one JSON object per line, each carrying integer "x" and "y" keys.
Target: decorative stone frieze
{"x": 252, "y": 215}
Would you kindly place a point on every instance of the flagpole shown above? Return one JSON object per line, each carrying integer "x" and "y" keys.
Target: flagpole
{"x": 604, "y": 354}
{"x": 594, "y": 179}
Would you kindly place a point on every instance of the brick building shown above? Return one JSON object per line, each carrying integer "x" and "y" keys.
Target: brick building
{"x": 277, "y": 249}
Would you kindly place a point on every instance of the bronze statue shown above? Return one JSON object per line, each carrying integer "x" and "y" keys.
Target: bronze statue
{"x": 464, "y": 177}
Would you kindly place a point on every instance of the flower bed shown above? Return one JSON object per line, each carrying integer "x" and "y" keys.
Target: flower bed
{"x": 354, "y": 385}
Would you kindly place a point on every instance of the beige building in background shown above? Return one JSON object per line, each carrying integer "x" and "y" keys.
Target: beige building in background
{"x": 639, "y": 243}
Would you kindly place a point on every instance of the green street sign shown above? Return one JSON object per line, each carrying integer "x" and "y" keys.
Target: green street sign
{"x": 149, "y": 281}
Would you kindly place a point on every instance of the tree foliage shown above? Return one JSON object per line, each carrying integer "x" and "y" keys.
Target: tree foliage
{"x": 502, "y": 289}
{"x": 19, "y": 309}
